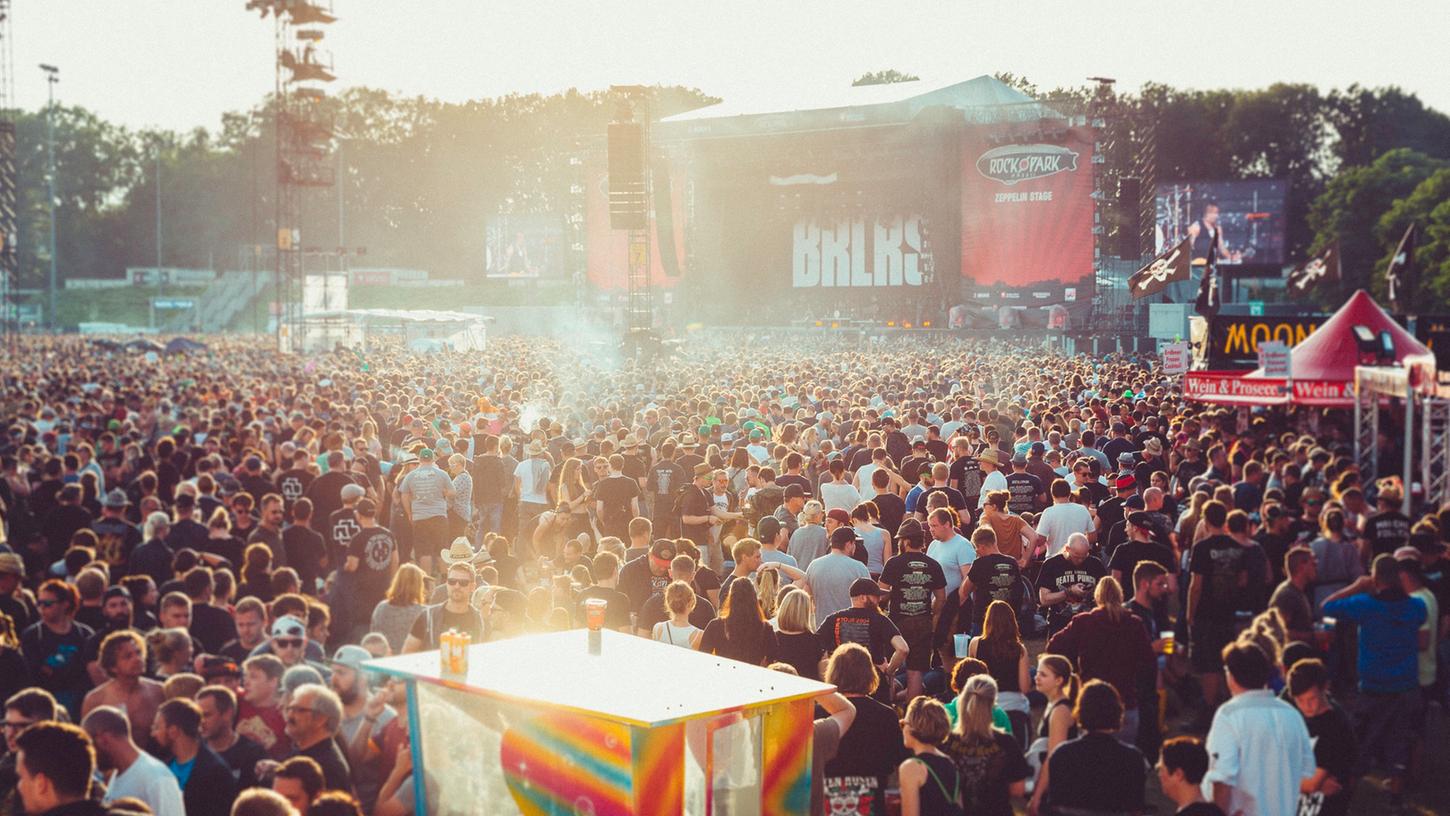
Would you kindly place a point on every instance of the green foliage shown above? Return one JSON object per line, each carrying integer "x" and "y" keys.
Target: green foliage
{"x": 1351, "y": 210}
{"x": 885, "y": 77}
{"x": 1427, "y": 206}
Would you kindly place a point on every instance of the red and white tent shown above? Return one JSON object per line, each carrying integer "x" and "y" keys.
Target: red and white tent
{"x": 1321, "y": 367}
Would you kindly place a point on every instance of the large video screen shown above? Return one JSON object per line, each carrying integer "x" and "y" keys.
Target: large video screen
{"x": 524, "y": 246}
{"x": 1247, "y": 217}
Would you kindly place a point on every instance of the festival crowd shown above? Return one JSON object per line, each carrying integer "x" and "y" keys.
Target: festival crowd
{"x": 1038, "y": 582}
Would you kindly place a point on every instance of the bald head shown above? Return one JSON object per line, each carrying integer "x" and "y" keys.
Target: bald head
{"x": 107, "y": 720}
{"x": 1077, "y": 548}
{"x": 1153, "y": 499}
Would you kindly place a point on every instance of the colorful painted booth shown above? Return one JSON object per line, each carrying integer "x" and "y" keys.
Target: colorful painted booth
{"x": 540, "y": 726}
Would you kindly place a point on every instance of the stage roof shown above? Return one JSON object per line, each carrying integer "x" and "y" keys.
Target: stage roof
{"x": 984, "y": 100}
{"x": 397, "y": 316}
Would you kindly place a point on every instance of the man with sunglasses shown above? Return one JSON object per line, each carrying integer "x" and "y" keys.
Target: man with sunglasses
{"x": 454, "y": 613}
{"x": 54, "y": 646}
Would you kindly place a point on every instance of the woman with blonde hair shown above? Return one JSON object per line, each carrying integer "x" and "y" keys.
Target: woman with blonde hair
{"x": 1058, "y": 683}
{"x": 990, "y": 766}
{"x": 680, "y": 600}
{"x": 796, "y": 642}
{"x": 172, "y": 649}
{"x": 767, "y": 588}
{"x": 573, "y": 495}
{"x": 395, "y": 614}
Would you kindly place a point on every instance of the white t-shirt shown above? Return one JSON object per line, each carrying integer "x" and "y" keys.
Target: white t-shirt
{"x": 953, "y": 554}
{"x": 994, "y": 481}
{"x": 1259, "y": 746}
{"x": 149, "y": 780}
{"x": 1060, "y": 521}
{"x": 533, "y": 477}
{"x": 863, "y": 477}
{"x": 839, "y": 496}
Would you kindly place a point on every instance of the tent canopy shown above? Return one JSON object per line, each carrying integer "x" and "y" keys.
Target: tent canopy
{"x": 1321, "y": 367}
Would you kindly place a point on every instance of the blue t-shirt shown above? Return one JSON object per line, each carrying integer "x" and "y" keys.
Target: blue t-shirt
{"x": 1389, "y": 638}
{"x": 182, "y": 771}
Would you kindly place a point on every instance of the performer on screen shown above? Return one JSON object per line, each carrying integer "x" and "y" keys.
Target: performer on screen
{"x": 1207, "y": 237}
{"x": 516, "y": 259}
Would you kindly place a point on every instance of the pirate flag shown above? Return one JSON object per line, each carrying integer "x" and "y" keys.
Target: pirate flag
{"x": 1320, "y": 268}
{"x": 1210, "y": 294}
{"x": 1399, "y": 277}
{"x": 1170, "y": 267}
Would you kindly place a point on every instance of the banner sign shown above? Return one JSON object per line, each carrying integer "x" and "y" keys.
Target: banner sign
{"x": 858, "y": 252}
{"x": 1176, "y": 357}
{"x": 1027, "y": 211}
{"x": 1233, "y": 340}
{"x": 1209, "y": 384}
{"x": 1274, "y": 359}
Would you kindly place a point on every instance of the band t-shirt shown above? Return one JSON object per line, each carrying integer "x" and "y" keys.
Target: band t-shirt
{"x": 913, "y": 577}
{"x": 1386, "y": 531}
{"x": 865, "y": 626}
{"x": 1025, "y": 488}
{"x": 994, "y": 577}
{"x": 1220, "y": 559}
{"x": 1059, "y": 573}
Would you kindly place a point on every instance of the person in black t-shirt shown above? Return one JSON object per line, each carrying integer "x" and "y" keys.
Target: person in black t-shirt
{"x": 682, "y": 568}
{"x": 616, "y": 500}
{"x": 1140, "y": 547}
{"x": 1336, "y": 749}
{"x": 1181, "y": 768}
{"x": 605, "y": 569}
{"x": 863, "y": 623}
{"x": 992, "y": 577}
{"x": 917, "y": 595}
{"x": 371, "y": 560}
{"x": 306, "y": 550}
{"x": 1217, "y": 572}
{"x": 1388, "y": 529}
{"x": 1028, "y": 495}
{"x": 1066, "y": 583}
{"x": 210, "y": 625}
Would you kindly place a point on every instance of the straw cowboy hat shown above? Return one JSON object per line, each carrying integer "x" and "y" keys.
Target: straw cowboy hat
{"x": 459, "y": 552}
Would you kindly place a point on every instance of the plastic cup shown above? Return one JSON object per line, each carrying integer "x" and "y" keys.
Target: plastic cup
{"x": 959, "y": 643}
{"x": 1170, "y": 643}
{"x": 594, "y": 613}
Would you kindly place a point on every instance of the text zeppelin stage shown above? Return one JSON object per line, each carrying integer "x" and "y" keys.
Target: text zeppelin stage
{"x": 879, "y": 203}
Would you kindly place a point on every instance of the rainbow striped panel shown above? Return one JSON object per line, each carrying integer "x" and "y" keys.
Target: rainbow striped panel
{"x": 568, "y": 764}
{"x": 659, "y": 770}
{"x": 787, "y": 737}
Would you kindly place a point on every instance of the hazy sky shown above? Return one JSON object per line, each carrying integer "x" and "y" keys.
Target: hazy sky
{"x": 181, "y": 63}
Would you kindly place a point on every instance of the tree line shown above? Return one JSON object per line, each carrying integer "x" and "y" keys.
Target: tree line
{"x": 419, "y": 178}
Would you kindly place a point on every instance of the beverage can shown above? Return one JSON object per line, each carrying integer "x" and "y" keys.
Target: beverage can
{"x": 461, "y": 642}
{"x": 445, "y": 652}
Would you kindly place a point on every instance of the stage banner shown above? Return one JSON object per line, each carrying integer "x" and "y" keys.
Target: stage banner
{"x": 1232, "y": 386}
{"x": 607, "y": 258}
{"x": 1233, "y": 340}
{"x": 1027, "y": 213}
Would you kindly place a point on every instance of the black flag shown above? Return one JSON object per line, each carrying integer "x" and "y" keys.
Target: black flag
{"x": 1322, "y": 267}
{"x": 1210, "y": 295}
{"x": 1170, "y": 267}
{"x": 1399, "y": 276}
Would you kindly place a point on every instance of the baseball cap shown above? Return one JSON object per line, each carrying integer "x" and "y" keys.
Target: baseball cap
{"x": 11, "y": 564}
{"x": 352, "y": 491}
{"x": 116, "y": 591}
{"x": 1019, "y": 458}
{"x": 425, "y": 453}
{"x": 1141, "y": 518}
{"x": 214, "y": 667}
{"x": 918, "y": 440}
{"x": 116, "y": 498}
{"x": 289, "y": 626}
{"x": 865, "y": 586}
{"x": 252, "y": 463}
{"x": 663, "y": 549}
{"x": 1038, "y": 448}
{"x": 1126, "y": 482}
{"x": 841, "y": 516}
{"x": 768, "y": 528}
{"x": 911, "y": 530}
{"x": 351, "y": 656}
{"x": 300, "y": 675}
{"x": 794, "y": 491}
{"x": 843, "y": 535}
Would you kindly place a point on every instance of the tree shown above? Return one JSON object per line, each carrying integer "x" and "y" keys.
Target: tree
{"x": 885, "y": 77}
{"x": 1368, "y": 122}
{"x": 1350, "y": 210}
{"x": 1428, "y": 207}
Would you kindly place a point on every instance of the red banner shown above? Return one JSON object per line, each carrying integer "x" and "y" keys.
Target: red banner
{"x": 1232, "y": 386}
{"x": 1027, "y": 210}
{"x": 608, "y": 249}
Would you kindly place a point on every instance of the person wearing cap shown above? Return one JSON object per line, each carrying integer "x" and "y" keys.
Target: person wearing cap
{"x": 829, "y": 577}
{"x": 648, "y": 574}
{"x": 425, "y": 493}
{"x": 697, "y": 516}
{"x": 1141, "y": 545}
{"x": 1387, "y": 529}
{"x": 916, "y": 590}
{"x": 863, "y": 623}
{"x": 115, "y": 536}
{"x": 365, "y": 713}
{"x": 774, "y": 541}
{"x": 367, "y": 569}
{"x": 342, "y": 525}
{"x": 793, "y": 501}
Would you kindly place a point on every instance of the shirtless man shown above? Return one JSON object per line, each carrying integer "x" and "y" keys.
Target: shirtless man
{"x": 123, "y": 658}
